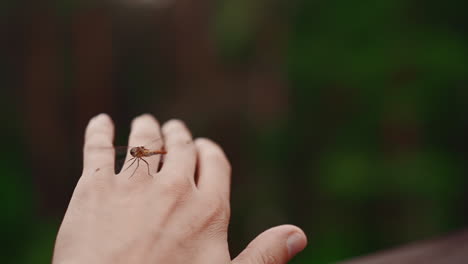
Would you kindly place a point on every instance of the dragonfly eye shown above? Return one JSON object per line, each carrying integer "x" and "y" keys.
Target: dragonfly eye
{"x": 133, "y": 152}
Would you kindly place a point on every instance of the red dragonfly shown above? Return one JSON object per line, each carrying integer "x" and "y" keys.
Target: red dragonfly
{"x": 137, "y": 154}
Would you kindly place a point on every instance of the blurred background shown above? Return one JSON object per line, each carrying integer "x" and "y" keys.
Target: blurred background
{"x": 347, "y": 118}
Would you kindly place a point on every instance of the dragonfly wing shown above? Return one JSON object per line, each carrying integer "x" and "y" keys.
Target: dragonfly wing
{"x": 120, "y": 156}
{"x": 121, "y": 152}
{"x": 155, "y": 144}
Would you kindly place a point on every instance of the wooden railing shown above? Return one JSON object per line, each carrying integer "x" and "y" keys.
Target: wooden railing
{"x": 451, "y": 249}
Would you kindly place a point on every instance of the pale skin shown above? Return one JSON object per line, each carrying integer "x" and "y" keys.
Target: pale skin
{"x": 178, "y": 215}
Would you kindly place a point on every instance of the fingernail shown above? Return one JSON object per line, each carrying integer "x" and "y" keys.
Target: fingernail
{"x": 100, "y": 116}
{"x": 103, "y": 118}
{"x": 146, "y": 115}
{"x": 295, "y": 244}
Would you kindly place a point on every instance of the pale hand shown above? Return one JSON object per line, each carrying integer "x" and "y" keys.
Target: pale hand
{"x": 180, "y": 215}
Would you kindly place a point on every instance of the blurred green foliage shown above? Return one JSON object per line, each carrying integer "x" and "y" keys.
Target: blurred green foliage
{"x": 384, "y": 83}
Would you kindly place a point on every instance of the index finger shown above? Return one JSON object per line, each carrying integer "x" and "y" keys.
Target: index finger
{"x": 98, "y": 148}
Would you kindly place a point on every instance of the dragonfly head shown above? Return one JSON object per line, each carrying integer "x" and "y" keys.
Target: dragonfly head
{"x": 135, "y": 151}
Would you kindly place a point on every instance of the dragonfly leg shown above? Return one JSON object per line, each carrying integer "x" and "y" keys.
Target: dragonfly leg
{"x": 134, "y": 159}
{"x": 147, "y": 166}
{"x": 138, "y": 164}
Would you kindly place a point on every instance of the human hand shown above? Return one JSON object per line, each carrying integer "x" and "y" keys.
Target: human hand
{"x": 179, "y": 215}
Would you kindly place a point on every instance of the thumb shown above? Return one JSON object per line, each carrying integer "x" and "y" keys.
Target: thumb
{"x": 275, "y": 246}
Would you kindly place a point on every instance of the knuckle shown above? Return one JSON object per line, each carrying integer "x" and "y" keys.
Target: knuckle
{"x": 213, "y": 217}
{"x": 180, "y": 139}
{"x": 262, "y": 257}
{"x": 183, "y": 145}
{"x": 269, "y": 259}
{"x": 216, "y": 209}
{"x": 177, "y": 187}
{"x": 142, "y": 137}
{"x": 97, "y": 140}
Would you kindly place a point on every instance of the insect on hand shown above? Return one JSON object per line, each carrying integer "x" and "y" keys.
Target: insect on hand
{"x": 134, "y": 154}
{"x": 139, "y": 153}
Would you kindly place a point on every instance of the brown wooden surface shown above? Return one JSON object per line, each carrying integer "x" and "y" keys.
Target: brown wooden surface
{"x": 452, "y": 248}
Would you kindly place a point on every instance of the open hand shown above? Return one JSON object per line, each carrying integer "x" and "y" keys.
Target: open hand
{"x": 179, "y": 215}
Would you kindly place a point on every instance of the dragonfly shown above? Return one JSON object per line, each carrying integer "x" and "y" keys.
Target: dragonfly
{"x": 136, "y": 154}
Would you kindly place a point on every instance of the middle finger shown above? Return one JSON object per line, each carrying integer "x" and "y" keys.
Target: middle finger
{"x": 181, "y": 157}
{"x": 145, "y": 129}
